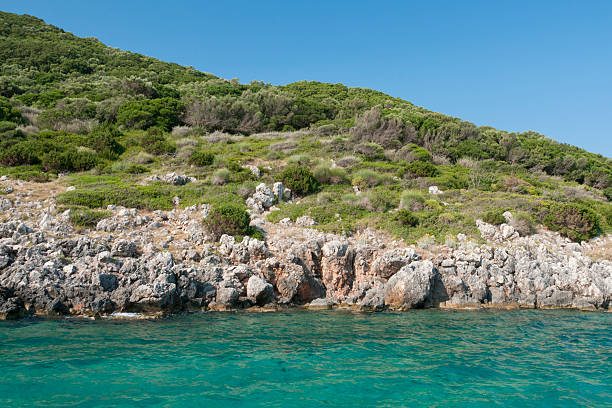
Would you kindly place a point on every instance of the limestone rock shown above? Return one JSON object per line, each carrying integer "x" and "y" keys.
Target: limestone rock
{"x": 259, "y": 290}
{"x": 411, "y": 286}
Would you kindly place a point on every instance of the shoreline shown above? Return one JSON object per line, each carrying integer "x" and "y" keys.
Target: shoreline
{"x": 165, "y": 262}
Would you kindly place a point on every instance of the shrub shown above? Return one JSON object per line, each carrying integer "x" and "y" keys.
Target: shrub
{"x": 432, "y": 204}
{"x": 572, "y": 220}
{"x": 69, "y": 160}
{"x": 412, "y": 200}
{"x": 371, "y": 151}
{"x": 299, "y": 179}
{"x": 348, "y": 161}
{"x": 221, "y": 177}
{"x": 426, "y": 241}
{"x": 104, "y": 140}
{"x": 7, "y": 126}
{"x": 420, "y": 169}
{"x": 366, "y": 178}
{"x": 24, "y": 153}
{"x": 202, "y": 158}
{"x": 141, "y": 197}
{"x": 523, "y": 224}
{"x": 406, "y": 218}
{"x": 154, "y": 142}
{"x": 608, "y": 193}
{"x": 9, "y": 113}
{"x": 494, "y": 216}
{"x": 86, "y": 218}
{"x": 228, "y": 218}
{"x": 327, "y": 175}
{"x": 143, "y": 114}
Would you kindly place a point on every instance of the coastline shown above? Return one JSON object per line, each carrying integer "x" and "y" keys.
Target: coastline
{"x": 164, "y": 262}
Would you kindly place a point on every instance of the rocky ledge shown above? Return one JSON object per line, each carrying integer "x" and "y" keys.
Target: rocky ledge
{"x": 166, "y": 262}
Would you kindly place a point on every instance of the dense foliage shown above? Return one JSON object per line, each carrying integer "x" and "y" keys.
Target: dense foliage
{"x": 228, "y": 218}
{"x": 355, "y": 157}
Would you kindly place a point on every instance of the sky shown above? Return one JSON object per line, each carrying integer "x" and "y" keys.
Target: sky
{"x": 514, "y": 65}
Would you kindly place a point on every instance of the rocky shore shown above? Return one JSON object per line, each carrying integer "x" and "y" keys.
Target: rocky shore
{"x": 151, "y": 262}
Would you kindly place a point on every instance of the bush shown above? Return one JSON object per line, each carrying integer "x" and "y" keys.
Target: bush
{"x": 299, "y": 179}
{"x": 221, "y": 177}
{"x": 371, "y": 151}
{"x": 327, "y": 175}
{"x": 412, "y": 200}
{"x": 572, "y": 220}
{"x": 523, "y": 224}
{"x": 608, "y": 193}
{"x": 154, "y": 142}
{"x": 420, "y": 169}
{"x": 141, "y": 197}
{"x": 8, "y": 113}
{"x": 366, "y": 178}
{"x": 432, "y": 204}
{"x": 24, "y": 153}
{"x": 228, "y": 218}
{"x": 202, "y": 158}
{"x": 143, "y": 114}
{"x": 406, "y": 218}
{"x": 104, "y": 140}
{"x": 69, "y": 160}
{"x": 86, "y": 218}
{"x": 494, "y": 216}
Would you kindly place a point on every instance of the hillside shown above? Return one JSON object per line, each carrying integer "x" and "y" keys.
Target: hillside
{"x": 106, "y": 120}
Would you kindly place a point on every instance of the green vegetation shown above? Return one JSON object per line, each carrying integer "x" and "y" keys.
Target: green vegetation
{"x": 230, "y": 219}
{"x": 355, "y": 158}
{"x": 573, "y": 220}
{"x": 86, "y": 218}
{"x": 299, "y": 179}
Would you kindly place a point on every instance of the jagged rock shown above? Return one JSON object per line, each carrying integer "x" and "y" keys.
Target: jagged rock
{"x": 434, "y": 190}
{"x": 278, "y": 191}
{"x": 227, "y": 296}
{"x": 305, "y": 221}
{"x": 5, "y": 204}
{"x": 171, "y": 178}
{"x": 374, "y": 298}
{"x": 253, "y": 169}
{"x": 321, "y": 304}
{"x": 337, "y": 267}
{"x": 11, "y": 307}
{"x": 411, "y": 286}
{"x": 124, "y": 248}
{"x": 259, "y": 290}
{"x": 392, "y": 261}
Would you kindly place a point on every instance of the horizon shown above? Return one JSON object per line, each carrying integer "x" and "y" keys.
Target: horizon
{"x": 482, "y": 84}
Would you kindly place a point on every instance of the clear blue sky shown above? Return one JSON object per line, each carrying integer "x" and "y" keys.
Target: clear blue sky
{"x": 515, "y": 65}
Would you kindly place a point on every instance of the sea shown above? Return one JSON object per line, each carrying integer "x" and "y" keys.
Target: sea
{"x": 420, "y": 358}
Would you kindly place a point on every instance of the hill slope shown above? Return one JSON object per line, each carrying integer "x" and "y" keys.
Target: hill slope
{"x": 73, "y": 104}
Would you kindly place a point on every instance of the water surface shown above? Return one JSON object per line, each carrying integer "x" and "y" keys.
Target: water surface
{"x": 427, "y": 358}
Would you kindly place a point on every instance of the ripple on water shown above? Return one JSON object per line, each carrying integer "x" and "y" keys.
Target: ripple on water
{"x": 305, "y": 359}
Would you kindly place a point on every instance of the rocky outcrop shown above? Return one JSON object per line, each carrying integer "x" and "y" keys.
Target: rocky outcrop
{"x": 164, "y": 261}
{"x": 411, "y": 286}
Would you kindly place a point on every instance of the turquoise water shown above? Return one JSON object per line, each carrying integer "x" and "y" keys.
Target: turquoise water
{"x": 305, "y": 359}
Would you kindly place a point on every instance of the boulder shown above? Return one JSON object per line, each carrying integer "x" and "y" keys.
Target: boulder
{"x": 387, "y": 264}
{"x": 227, "y": 296}
{"x": 259, "y": 290}
{"x": 124, "y": 248}
{"x": 411, "y": 286}
{"x": 305, "y": 221}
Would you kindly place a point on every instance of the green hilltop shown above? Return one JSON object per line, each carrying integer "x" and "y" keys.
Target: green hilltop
{"x": 357, "y": 157}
